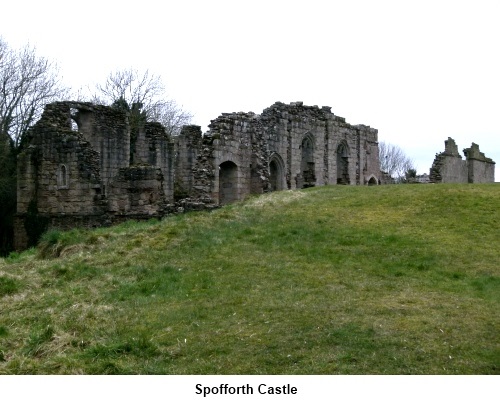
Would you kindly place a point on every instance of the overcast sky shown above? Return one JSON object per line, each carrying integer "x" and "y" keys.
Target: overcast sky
{"x": 418, "y": 71}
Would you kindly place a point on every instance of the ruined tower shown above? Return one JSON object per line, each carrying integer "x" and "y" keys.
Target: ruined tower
{"x": 77, "y": 171}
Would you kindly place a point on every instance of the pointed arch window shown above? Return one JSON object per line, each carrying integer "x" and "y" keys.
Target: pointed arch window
{"x": 276, "y": 172}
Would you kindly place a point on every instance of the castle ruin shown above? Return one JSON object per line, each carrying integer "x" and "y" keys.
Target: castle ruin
{"x": 82, "y": 165}
{"x": 449, "y": 167}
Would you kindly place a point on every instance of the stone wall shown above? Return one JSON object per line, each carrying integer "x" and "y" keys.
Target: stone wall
{"x": 155, "y": 148}
{"x": 481, "y": 168}
{"x": 106, "y": 129}
{"x": 59, "y": 166}
{"x": 449, "y": 167}
{"x": 75, "y": 171}
{"x": 288, "y": 146}
{"x": 137, "y": 192}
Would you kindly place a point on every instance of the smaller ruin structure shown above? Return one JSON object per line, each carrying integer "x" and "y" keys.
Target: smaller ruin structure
{"x": 450, "y": 167}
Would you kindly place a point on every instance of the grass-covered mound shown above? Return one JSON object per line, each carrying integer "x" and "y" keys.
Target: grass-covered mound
{"x": 351, "y": 280}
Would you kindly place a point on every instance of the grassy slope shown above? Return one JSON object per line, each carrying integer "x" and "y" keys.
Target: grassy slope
{"x": 390, "y": 279}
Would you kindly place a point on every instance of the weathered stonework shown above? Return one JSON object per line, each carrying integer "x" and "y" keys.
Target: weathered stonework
{"x": 449, "y": 167}
{"x": 77, "y": 170}
{"x": 82, "y": 167}
{"x": 288, "y": 146}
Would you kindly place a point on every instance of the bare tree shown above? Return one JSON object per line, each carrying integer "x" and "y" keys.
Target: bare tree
{"x": 394, "y": 161}
{"x": 144, "y": 94}
{"x": 170, "y": 115}
{"x": 27, "y": 83}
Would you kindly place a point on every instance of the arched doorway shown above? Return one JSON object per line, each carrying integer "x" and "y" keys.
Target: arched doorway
{"x": 373, "y": 181}
{"x": 228, "y": 182}
{"x": 307, "y": 163}
{"x": 343, "y": 164}
{"x": 276, "y": 175}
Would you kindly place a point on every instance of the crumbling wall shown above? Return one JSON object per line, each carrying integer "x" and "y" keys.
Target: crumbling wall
{"x": 369, "y": 164}
{"x": 108, "y": 131}
{"x": 296, "y": 135}
{"x": 236, "y": 157}
{"x": 59, "y": 169}
{"x": 480, "y": 168}
{"x": 155, "y": 148}
{"x": 137, "y": 192}
{"x": 449, "y": 167}
{"x": 58, "y": 176}
{"x": 75, "y": 171}
{"x": 60, "y": 173}
{"x": 194, "y": 170}
{"x": 341, "y": 153}
{"x": 187, "y": 147}
{"x": 288, "y": 146}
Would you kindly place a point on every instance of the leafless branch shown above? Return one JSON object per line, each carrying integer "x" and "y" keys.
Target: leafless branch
{"x": 27, "y": 83}
{"x": 146, "y": 91}
{"x": 394, "y": 161}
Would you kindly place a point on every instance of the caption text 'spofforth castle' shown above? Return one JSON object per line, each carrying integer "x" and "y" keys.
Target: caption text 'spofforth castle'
{"x": 83, "y": 165}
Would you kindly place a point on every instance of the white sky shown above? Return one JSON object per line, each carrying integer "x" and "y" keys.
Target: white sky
{"x": 418, "y": 71}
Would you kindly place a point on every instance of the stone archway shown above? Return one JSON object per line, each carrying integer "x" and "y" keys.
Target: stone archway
{"x": 343, "y": 164}
{"x": 373, "y": 181}
{"x": 228, "y": 182}
{"x": 276, "y": 173}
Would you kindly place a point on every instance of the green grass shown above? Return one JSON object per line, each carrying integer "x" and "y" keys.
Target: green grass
{"x": 331, "y": 280}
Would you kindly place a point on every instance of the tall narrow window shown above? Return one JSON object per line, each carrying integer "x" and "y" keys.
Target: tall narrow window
{"x": 73, "y": 114}
{"x": 343, "y": 163}
{"x": 307, "y": 163}
{"x": 62, "y": 178}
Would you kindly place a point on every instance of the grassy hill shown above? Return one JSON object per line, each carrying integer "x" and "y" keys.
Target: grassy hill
{"x": 349, "y": 280}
